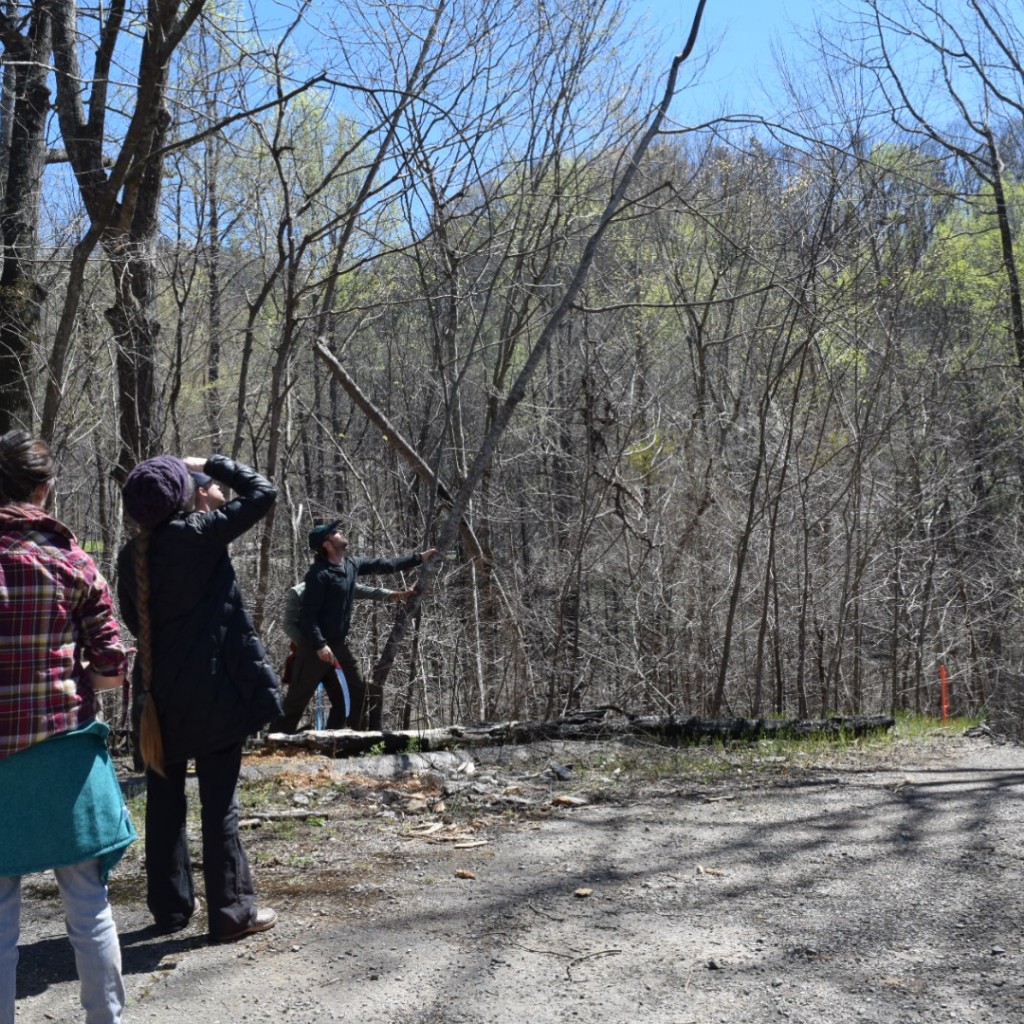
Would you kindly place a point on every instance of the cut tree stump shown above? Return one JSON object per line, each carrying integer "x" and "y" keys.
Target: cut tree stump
{"x": 600, "y": 723}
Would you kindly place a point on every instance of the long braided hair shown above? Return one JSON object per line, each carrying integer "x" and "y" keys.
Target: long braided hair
{"x": 153, "y": 493}
{"x": 151, "y": 742}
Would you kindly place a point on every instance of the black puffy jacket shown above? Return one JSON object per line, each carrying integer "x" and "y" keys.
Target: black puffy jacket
{"x": 212, "y": 682}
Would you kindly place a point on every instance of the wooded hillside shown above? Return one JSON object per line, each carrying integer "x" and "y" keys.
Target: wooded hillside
{"x": 711, "y": 413}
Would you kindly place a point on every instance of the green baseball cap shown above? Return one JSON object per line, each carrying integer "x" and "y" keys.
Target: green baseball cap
{"x": 321, "y": 532}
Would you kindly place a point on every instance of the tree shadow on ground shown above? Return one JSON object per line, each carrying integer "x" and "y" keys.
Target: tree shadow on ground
{"x": 51, "y": 961}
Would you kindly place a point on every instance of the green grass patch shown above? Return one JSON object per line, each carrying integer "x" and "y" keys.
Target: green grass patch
{"x": 914, "y": 726}
{"x": 716, "y": 760}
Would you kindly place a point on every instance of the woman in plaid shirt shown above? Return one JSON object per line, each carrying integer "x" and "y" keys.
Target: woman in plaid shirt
{"x": 59, "y": 644}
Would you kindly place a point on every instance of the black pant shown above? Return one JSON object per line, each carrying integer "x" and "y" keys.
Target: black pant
{"x": 170, "y": 893}
{"x": 306, "y": 672}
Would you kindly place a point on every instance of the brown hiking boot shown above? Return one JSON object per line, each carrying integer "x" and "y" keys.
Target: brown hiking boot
{"x": 264, "y": 920}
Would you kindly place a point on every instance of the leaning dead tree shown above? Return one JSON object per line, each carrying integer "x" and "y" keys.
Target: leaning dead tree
{"x": 455, "y": 522}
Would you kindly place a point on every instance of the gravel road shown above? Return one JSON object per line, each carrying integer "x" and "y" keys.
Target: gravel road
{"x": 880, "y": 882}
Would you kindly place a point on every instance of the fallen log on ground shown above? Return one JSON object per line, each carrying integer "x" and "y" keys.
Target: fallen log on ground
{"x": 581, "y": 725}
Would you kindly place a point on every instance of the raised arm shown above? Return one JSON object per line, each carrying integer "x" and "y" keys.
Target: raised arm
{"x": 382, "y": 566}
{"x": 254, "y": 497}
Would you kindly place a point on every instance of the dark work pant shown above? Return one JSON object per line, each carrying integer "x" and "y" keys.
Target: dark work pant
{"x": 356, "y": 686}
{"x": 170, "y": 888}
{"x": 306, "y": 672}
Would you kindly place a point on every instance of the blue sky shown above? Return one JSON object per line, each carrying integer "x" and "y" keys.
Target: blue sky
{"x": 746, "y": 23}
{"x": 741, "y": 32}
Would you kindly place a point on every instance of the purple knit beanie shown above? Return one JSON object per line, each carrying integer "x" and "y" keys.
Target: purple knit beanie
{"x": 156, "y": 489}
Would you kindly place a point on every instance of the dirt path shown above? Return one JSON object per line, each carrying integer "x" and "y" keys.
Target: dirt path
{"x": 883, "y": 884}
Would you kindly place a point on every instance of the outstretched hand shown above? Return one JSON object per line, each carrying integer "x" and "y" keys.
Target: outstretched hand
{"x": 426, "y": 556}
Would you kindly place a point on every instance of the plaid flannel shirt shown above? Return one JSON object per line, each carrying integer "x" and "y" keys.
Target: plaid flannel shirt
{"x": 56, "y": 615}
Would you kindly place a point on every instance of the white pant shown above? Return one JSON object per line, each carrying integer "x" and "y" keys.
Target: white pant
{"x": 92, "y": 933}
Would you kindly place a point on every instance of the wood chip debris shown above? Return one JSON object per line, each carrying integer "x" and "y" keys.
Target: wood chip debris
{"x": 442, "y": 832}
{"x": 464, "y": 873}
{"x": 428, "y": 828}
{"x": 701, "y": 870}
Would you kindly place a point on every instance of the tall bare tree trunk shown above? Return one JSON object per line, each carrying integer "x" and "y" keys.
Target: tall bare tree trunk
{"x": 25, "y": 108}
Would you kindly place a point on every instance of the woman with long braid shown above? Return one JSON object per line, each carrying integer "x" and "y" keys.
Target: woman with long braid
{"x": 59, "y": 644}
{"x": 202, "y": 681}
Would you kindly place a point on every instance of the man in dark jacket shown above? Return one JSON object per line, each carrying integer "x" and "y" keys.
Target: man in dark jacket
{"x": 324, "y": 620}
{"x": 290, "y": 624}
{"x": 204, "y": 669}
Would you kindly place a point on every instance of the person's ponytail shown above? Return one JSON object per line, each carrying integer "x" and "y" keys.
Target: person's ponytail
{"x": 26, "y": 462}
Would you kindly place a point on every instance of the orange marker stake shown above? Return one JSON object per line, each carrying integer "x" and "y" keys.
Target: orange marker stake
{"x": 944, "y": 681}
